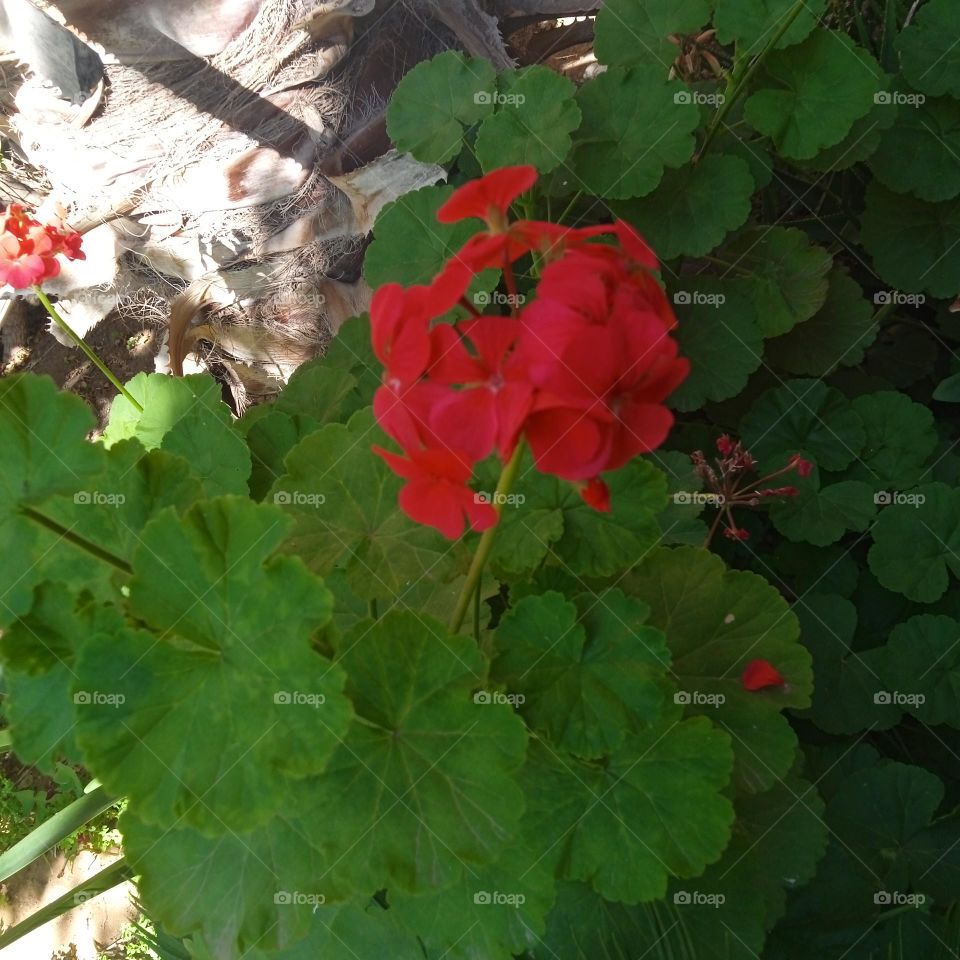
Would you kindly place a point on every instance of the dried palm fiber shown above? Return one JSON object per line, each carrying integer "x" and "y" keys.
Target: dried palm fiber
{"x": 205, "y": 177}
{"x": 233, "y": 193}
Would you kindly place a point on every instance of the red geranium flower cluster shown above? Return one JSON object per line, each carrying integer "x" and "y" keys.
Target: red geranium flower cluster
{"x": 29, "y": 248}
{"x": 580, "y": 373}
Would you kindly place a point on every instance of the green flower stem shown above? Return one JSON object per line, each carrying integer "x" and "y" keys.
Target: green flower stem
{"x": 472, "y": 585}
{"x": 742, "y": 81}
{"x": 78, "y": 541}
{"x": 88, "y": 350}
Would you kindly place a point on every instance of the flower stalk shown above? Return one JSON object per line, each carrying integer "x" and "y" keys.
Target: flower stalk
{"x": 90, "y": 353}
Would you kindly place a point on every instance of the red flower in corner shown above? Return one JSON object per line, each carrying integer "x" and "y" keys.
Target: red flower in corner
{"x": 760, "y": 674}
{"x": 436, "y": 493}
{"x": 490, "y": 197}
{"x": 28, "y": 249}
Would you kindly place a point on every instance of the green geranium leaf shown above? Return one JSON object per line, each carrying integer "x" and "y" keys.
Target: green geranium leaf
{"x": 753, "y": 23}
{"x": 39, "y": 709}
{"x": 719, "y": 332}
{"x": 411, "y": 247}
{"x": 778, "y": 838}
{"x": 588, "y": 676}
{"x": 788, "y": 275}
{"x": 928, "y": 50}
{"x": 38, "y": 652}
{"x": 737, "y": 617}
{"x": 348, "y": 356}
{"x": 435, "y": 101}
{"x": 694, "y": 207}
{"x": 497, "y": 910}
{"x": 901, "y": 438}
{"x": 635, "y": 123}
{"x": 918, "y": 154}
{"x": 860, "y": 143}
{"x": 45, "y": 637}
{"x": 848, "y": 695}
{"x": 133, "y": 487}
{"x": 588, "y": 543}
{"x": 912, "y": 242}
{"x": 836, "y": 336}
{"x": 628, "y": 32}
{"x": 880, "y": 814}
{"x": 362, "y": 930}
{"x": 243, "y": 890}
{"x": 583, "y": 926}
{"x": 822, "y": 513}
{"x": 271, "y": 438}
{"x": 948, "y": 391}
{"x": 796, "y": 104}
{"x": 802, "y": 568}
{"x": 804, "y": 416}
{"x": 535, "y": 115}
{"x": 234, "y": 661}
{"x": 423, "y": 783}
{"x": 923, "y": 668}
{"x": 652, "y": 788}
{"x": 185, "y": 416}
{"x": 42, "y": 435}
{"x": 681, "y": 522}
{"x": 916, "y": 541}
{"x": 343, "y": 498}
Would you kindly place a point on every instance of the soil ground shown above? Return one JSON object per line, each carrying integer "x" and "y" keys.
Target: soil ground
{"x": 126, "y": 346}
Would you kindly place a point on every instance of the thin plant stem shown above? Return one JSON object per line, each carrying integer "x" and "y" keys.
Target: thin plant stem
{"x": 78, "y": 541}
{"x": 476, "y": 611}
{"x": 88, "y": 350}
{"x": 504, "y": 486}
{"x": 740, "y": 83}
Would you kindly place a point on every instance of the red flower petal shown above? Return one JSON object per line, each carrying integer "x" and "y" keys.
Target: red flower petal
{"x": 759, "y": 674}
{"x": 490, "y": 197}
{"x": 596, "y": 494}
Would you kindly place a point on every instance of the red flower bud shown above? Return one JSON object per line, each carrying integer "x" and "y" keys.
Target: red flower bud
{"x": 725, "y": 445}
{"x": 596, "y": 494}
{"x": 803, "y": 467}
